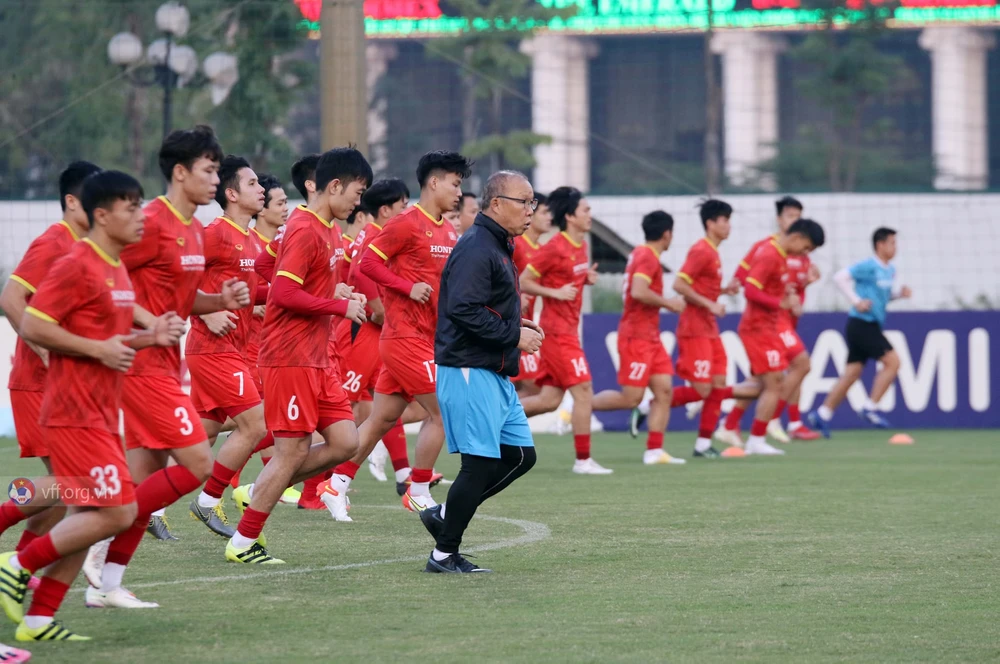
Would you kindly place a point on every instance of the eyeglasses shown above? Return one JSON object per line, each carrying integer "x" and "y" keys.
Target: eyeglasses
{"x": 533, "y": 203}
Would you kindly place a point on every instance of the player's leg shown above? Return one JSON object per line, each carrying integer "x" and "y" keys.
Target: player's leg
{"x": 142, "y": 463}
{"x": 429, "y": 442}
{"x": 798, "y": 369}
{"x": 546, "y": 400}
{"x": 766, "y": 405}
{"x": 627, "y": 398}
{"x": 889, "y": 367}
{"x": 661, "y": 385}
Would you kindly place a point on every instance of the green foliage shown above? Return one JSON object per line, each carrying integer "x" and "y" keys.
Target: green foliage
{"x": 513, "y": 147}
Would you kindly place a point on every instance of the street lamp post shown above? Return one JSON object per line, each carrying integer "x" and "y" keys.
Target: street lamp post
{"x": 170, "y": 65}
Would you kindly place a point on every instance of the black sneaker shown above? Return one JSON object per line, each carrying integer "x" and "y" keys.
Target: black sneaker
{"x": 160, "y": 529}
{"x": 635, "y": 421}
{"x": 710, "y": 453}
{"x": 453, "y": 564}
{"x": 431, "y": 518}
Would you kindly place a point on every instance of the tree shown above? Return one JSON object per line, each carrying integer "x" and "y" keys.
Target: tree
{"x": 492, "y": 65}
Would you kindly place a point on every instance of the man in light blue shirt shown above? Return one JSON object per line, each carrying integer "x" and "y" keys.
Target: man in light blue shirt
{"x": 869, "y": 285}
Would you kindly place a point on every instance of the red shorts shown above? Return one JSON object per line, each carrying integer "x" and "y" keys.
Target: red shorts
{"x": 158, "y": 415}
{"x": 360, "y": 364}
{"x": 531, "y": 366}
{"x": 221, "y": 385}
{"x": 641, "y": 358}
{"x": 303, "y": 399}
{"x": 31, "y": 438}
{"x": 700, "y": 358}
{"x": 766, "y": 353}
{"x": 90, "y": 466}
{"x": 791, "y": 342}
{"x": 408, "y": 367}
{"x": 563, "y": 362}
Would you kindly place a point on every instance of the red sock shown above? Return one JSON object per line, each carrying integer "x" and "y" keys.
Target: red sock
{"x": 722, "y": 393}
{"x": 235, "y": 481}
{"x": 252, "y": 523}
{"x": 709, "y": 417}
{"x": 47, "y": 598}
{"x": 581, "y": 443}
{"x": 421, "y": 475}
{"x": 395, "y": 443}
{"x": 793, "y": 413}
{"x": 733, "y": 418}
{"x": 27, "y": 537}
{"x": 265, "y": 459}
{"x": 758, "y": 428}
{"x": 310, "y": 486}
{"x": 684, "y": 395}
{"x": 779, "y": 409}
{"x": 655, "y": 440}
{"x": 125, "y": 543}
{"x": 221, "y": 476}
{"x": 40, "y": 553}
{"x": 348, "y": 468}
{"x": 265, "y": 442}
{"x": 9, "y": 515}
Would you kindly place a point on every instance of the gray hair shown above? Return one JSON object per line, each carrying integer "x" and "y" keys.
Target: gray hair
{"x": 497, "y": 184}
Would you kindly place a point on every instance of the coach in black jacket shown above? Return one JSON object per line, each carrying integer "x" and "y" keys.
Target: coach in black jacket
{"x": 480, "y": 335}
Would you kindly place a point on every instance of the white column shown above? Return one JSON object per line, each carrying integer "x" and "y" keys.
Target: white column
{"x": 958, "y": 102}
{"x": 750, "y": 101}
{"x": 377, "y": 58}
{"x": 560, "y": 108}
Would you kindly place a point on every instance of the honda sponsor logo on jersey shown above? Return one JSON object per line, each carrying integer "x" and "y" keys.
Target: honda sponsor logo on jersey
{"x": 123, "y": 297}
{"x": 246, "y": 264}
{"x": 580, "y": 268}
{"x": 440, "y": 250}
{"x": 193, "y": 262}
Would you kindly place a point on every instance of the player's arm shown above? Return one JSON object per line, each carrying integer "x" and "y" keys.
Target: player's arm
{"x": 469, "y": 284}
{"x": 23, "y": 283}
{"x": 265, "y": 262}
{"x": 367, "y": 287}
{"x": 846, "y": 281}
{"x": 392, "y": 241}
{"x": 684, "y": 285}
{"x": 287, "y": 292}
{"x": 641, "y": 292}
{"x": 13, "y": 300}
{"x": 165, "y": 330}
{"x": 531, "y": 285}
{"x": 760, "y": 272}
{"x": 743, "y": 269}
{"x": 234, "y": 295}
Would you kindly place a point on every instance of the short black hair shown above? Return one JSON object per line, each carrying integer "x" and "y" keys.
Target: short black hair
{"x": 104, "y": 188}
{"x": 302, "y": 170}
{"x": 788, "y": 202}
{"x": 542, "y": 198}
{"x": 712, "y": 208}
{"x": 882, "y": 234}
{"x": 810, "y": 229}
{"x": 269, "y": 182}
{"x": 383, "y": 192}
{"x": 466, "y": 195}
{"x": 344, "y": 164}
{"x": 442, "y": 161}
{"x": 655, "y": 224}
{"x": 229, "y": 177}
{"x": 186, "y": 146}
{"x": 71, "y": 180}
{"x": 563, "y": 202}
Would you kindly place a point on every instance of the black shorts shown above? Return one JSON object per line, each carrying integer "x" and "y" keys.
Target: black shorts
{"x": 865, "y": 341}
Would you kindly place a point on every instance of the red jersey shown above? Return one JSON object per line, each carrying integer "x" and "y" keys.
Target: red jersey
{"x": 798, "y": 272}
{"x": 89, "y": 294}
{"x": 414, "y": 246}
{"x": 166, "y": 267}
{"x": 703, "y": 270}
{"x": 256, "y": 322}
{"x": 230, "y": 252}
{"x": 769, "y": 273}
{"x": 344, "y": 264}
{"x": 307, "y": 255}
{"x": 524, "y": 253}
{"x": 561, "y": 261}
{"x": 360, "y": 282}
{"x": 28, "y": 371}
{"x": 641, "y": 321}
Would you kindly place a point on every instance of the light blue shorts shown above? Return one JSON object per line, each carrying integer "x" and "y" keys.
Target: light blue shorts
{"x": 481, "y": 412}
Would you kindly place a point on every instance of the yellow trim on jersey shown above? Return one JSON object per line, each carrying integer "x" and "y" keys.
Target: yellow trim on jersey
{"x": 235, "y": 225}
{"x": 777, "y": 246}
{"x": 285, "y": 273}
{"x": 39, "y": 314}
{"x": 328, "y": 224}
{"x": 685, "y": 277}
{"x": 23, "y": 282}
{"x": 63, "y": 222}
{"x": 655, "y": 252}
{"x": 744, "y": 265}
{"x": 103, "y": 254}
{"x": 347, "y": 259}
{"x": 530, "y": 243}
{"x": 375, "y": 225}
{"x": 644, "y": 276}
{"x": 711, "y": 244}
{"x": 348, "y": 237}
{"x": 566, "y": 235}
{"x": 751, "y": 280}
{"x": 269, "y": 250}
{"x": 376, "y": 250}
{"x": 533, "y": 270}
{"x": 266, "y": 239}
{"x": 186, "y": 222}
{"x": 436, "y": 221}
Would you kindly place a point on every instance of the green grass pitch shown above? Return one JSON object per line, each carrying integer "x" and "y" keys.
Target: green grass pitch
{"x": 844, "y": 550}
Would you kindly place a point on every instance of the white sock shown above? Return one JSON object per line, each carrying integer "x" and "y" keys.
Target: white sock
{"x": 241, "y": 542}
{"x": 442, "y": 509}
{"x": 825, "y": 413}
{"x": 402, "y": 474}
{"x": 16, "y": 563}
{"x": 644, "y": 404}
{"x": 870, "y": 405}
{"x": 420, "y": 488}
{"x": 440, "y": 556}
{"x": 250, "y": 490}
{"x": 702, "y": 444}
{"x": 112, "y": 576}
{"x": 159, "y": 512}
{"x": 207, "y": 501}
{"x": 756, "y": 440}
{"x": 794, "y": 426}
{"x": 36, "y": 622}
{"x": 340, "y": 483}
